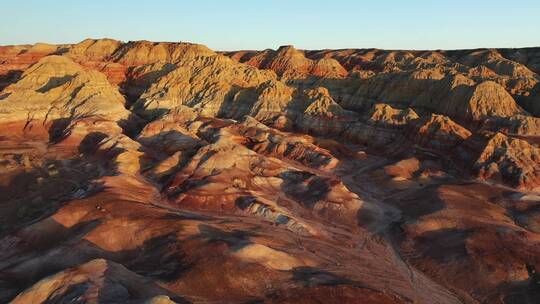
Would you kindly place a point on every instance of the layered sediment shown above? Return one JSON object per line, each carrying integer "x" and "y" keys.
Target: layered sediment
{"x": 153, "y": 172}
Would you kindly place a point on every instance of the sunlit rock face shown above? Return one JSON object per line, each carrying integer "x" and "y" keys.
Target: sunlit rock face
{"x": 147, "y": 172}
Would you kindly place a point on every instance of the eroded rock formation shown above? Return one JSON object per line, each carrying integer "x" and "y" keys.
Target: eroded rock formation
{"x": 170, "y": 173}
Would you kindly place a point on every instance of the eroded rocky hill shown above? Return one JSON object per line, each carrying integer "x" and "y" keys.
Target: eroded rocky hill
{"x": 168, "y": 172}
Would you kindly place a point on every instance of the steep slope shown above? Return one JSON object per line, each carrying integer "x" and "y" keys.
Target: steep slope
{"x": 54, "y": 94}
{"x": 290, "y": 63}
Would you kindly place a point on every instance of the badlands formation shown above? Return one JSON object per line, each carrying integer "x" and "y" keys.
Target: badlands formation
{"x": 145, "y": 172}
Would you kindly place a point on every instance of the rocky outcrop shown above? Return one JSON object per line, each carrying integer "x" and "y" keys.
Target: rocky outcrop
{"x": 56, "y": 93}
{"x": 56, "y": 87}
{"x": 323, "y": 104}
{"x": 206, "y": 83}
{"x": 167, "y": 134}
{"x": 97, "y": 280}
{"x": 439, "y": 132}
{"x": 384, "y": 115}
{"x": 15, "y": 59}
{"x": 290, "y": 63}
{"x": 510, "y": 160}
{"x": 489, "y": 99}
{"x": 145, "y": 52}
{"x": 93, "y": 50}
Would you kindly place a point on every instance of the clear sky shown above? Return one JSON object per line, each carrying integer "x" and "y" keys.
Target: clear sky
{"x": 307, "y": 24}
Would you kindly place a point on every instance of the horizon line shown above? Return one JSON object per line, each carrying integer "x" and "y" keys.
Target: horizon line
{"x": 276, "y": 48}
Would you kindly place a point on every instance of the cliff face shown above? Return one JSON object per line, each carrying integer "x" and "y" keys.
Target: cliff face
{"x": 168, "y": 172}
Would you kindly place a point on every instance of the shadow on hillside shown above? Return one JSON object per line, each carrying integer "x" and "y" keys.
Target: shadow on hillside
{"x": 304, "y": 187}
{"x": 37, "y": 192}
{"x": 10, "y": 77}
{"x": 66, "y": 248}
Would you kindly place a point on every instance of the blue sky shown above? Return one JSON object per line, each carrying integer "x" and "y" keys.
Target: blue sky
{"x": 314, "y": 24}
